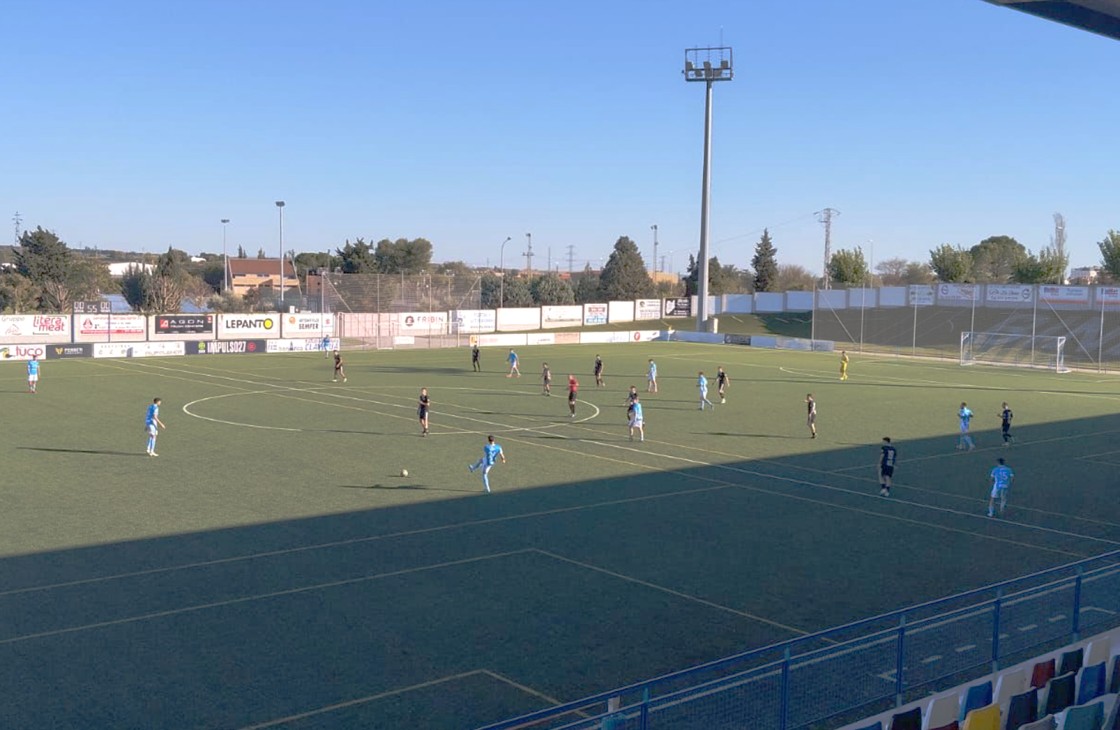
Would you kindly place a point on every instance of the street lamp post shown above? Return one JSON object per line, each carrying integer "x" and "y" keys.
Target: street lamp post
{"x": 708, "y": 65}
{"x": 225, "y": 258}
{"x": 654, "y": 227}
{"x": 502, "y": 273}
{"x": 280, "y": 205}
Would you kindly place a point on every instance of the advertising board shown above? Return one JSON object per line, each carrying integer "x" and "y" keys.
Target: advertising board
{"x": 594, "y": 314}
{"x": 297, "y": 344}
{"x": 180, "y": 324}
{"x": 620, "y": 311}
{"x": 920, "y": 295}
{"x": 1010, "y": 293}
{"x": 958, "y": 293}
{"x": 469, "y": 321}
{"x": 227, "y": 347}
{"x": 239, "y": 326}
{"x": 647, "y": 309}
{"x": 22, "y": 352}
{"x": 540, "y": 338}
{"x": 1063, "y": 294}
{"x": 138, "y": 349}
{"x": 423, "y": 323}
{"x": 125, "y": 326}
{"x": 518, "y": 318}
{"x": 28, "y": 328}
{"x": 62, "y": 352}
{"x": 561, "y": 316}
{"x": 680, "y": 307}
{"x": 306, "y": 324}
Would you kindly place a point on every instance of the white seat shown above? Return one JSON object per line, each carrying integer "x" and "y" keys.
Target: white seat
{"x": 941, "y": 710}
{"x": 1097, "y": 651}
{"x": 1010, "y": 683}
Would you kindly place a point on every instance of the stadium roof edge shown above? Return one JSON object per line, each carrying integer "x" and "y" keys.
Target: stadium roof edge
{"x": 1096, "y": 16}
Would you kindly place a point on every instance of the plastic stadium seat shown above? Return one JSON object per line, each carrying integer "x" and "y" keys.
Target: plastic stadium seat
{"x": 1090, "y": 683}
{"x": 1083, "y": 717}
{"x": 1042, "y": 673}
{"x": 954, "y": 725}
{"x": 1071, "y": 661}
{"x": 1059, "y": 693}
{"x": 873, "y": 726}
{"x": 909, "y": 720}
{"x": 941, "y": 711}
{"x": 1045, "y": 723}
{"x": 1022, "y": 709}
{"x": 1114, "y": 685}
{"x": 975, "y": 697}
{"x": 1097, "y": 651}
{"x": 1010, "y": 683}
{"x": 984, "y": 718}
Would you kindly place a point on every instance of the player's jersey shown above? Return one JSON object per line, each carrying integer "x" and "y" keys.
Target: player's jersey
{"x": 631, "y": 397}
{"x": 152, "y": 415}
{"x": 573, "y": 386}
{"x": 636, "y": 411}
{"x": 32, "y": 367}
{"x": 890, "y": 454}
{"x": 490, "y": 453}
{"x": 966, "y": 417}
{"x": 546, "y": 375}
{"x": 512, "y": 358}
{"x": 425, "y": 401}
{"x": 474, "y": 354}
{"x": 702, "y": 382}
{"x": 811, "y": 407}
{"x": 721, "y": 378}
{"x": 653, "y": 371}
{"x": 598, "y": 366}
{"x": 338, "y": 362}
{"x": 1002, "y": 476}
{"x": 1006, "y": 415}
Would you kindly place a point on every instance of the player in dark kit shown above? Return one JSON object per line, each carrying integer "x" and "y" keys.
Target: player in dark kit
{"x": 338, "y": 371}
{"x": 886, "y": 467}
{"x": 1005, "y": 416}
{"x": 422, "y": 410}
{"x": 475, "y": 354}
{"x": 722, "y": 381}
{"x": 599, "y": 372}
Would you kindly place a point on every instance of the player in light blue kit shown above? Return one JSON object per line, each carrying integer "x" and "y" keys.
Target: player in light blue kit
{"x": 1001, "y": 476}
{"x": 702, "y": 384}
{"x": 491, "y": 452}
{"x": 965, "y": 439}
{"x": 651, "y": 377}
{"x": 514, "y": 371}
{"x": 33, "y": 375}
{"x": 152, "y": 425}
{"x": 636, "y": 419}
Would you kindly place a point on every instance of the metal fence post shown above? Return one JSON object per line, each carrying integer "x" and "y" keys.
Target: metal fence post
{"x": 898, "y": 664}
{"x": 996, "y": 608}
{"x": 784, "y": 719}
{"x": 643, "y": 718}
{"x": 1077, "y": 604}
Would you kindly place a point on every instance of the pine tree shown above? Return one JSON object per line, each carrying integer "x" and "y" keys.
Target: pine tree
{"x": 765, "y": 263}
{"x": 625, "y": 276}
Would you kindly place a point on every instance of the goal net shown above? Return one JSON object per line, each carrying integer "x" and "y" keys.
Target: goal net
{"x": 1008, "y": 350}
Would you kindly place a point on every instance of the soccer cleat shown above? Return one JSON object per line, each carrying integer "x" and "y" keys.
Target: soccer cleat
{"x": 722, "y": 401}
{"x": 152, "y": 453}
{"x": 470, "y": 468}
{"x": 884, "y": 492}
{"x": 344, "y": 380}
{"x": 335, "y": 380}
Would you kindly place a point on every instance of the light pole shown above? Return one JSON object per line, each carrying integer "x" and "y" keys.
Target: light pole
{"x": 225, "y": 258}
{"x": 280, "y": 205}
{"x": 708, "y": 65}
{"x": 654, "y": 227}
{"x": 529, "y": 254}
{"x": 502, "y": 273}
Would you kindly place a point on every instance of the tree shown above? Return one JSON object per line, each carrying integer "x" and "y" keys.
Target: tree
{"x": 551, "y": 289}
{"x": 517, "y": 293}
{"x": 18, "y": 293}
{"x": 994, "y": 259}
{"x": 721, "y": 279}
{"x": 261, "y": 254}
{"x": 1049, "y": 267}
{"x": 355, "y": 258}
{"x": 892, "y": 272}
{"x": 587, "y": 286}
{"x": 918, "y": 273}
{"x": 134, "y": 287}
{"x": 765, "y": 263}
{"x": 241, "y": 253}
{"x": 1110, "y": 254}
{"x": 848, "y": 266}
{"x": 43, "y": 257}
{"x": 625, "y": 276}
{"x": 488, "y": 289}
{"x": 403, "y": 256}
{"x": 951, "y": 265}
{"x": 792, "y": 277}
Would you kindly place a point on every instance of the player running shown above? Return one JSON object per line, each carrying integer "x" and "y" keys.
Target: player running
{"x": 1001, "y": 476}
{"x": 599, "y": 372}
{"x": 886, "y": 466}
{"x": 811, "y": 416}
{"x": 513, "y": 369}
{"x": 1005, "y": 416}
{"x": 573, "y": 391}
{"x": 33, "y": 375}
{"x": 546, "y": 380}
{"x": 722, "y": 381}
{"x": 339, "y": 371}
{"x": 422, "y": 409}
{"x": 843, "y": 365}
{"x": 636, "y": 420}
{"x": 491, "y": 452}
{"x": 702, "y": 384}
{"x": 651, "y": 377}
{"x": 965, "y": 439}
{"x": 152, "y": 425}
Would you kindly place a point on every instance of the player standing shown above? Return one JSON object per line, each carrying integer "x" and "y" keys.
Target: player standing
{"x": 546, "y": 379}
{"x": 325, "y": 346}
{"x": 422, "y": 410}
{"x": 843, "y": 365}
{"x": 339, "y": 372}
{"x": 1005, "y": 416}
{"x": 630, "y": 398}
{"x": 475, "y": 355}
{"x": 1001, "y": 476}
{"x": 965, "y": 439}
{"x": 152, "y": 425}
{"x": 811, "y": 417}
{"x": 513, "y": 369}
{"x": 886, "y": 467}
{"x": 636, "y": 420}
{"x": 702, "y": 384}
{"x": 722, "y": 381}
{"x": 33, "y": 375}
{"x": 491, "y": 452}
{"x": 599, "y": 372}
{"x": 651, "y": 377}
{"x": 573, "y": 390}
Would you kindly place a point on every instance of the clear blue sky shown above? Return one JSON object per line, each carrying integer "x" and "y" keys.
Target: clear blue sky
{"x": 139, "y": 125}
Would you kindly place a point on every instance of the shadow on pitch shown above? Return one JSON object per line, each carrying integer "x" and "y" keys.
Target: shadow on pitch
{"x": 408, "y": 487}
{"x": 102, "y": 452}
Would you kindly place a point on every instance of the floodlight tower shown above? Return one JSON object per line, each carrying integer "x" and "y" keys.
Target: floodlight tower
{"x": 708, "y": 65}
{"x": 280, "y": 207}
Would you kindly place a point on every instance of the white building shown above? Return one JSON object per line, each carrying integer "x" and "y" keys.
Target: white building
{"x": 121, "y": 268}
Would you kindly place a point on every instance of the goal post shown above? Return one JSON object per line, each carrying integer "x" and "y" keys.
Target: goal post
{"x": 1044, "y": 352}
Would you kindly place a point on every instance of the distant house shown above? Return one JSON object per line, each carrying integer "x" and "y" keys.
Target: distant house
{"x": 120, "y": 268}
{"x": 1085, "y": 275}
{"x": 248, "y": 274}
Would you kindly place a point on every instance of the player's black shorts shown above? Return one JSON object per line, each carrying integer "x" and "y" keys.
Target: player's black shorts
{"x": 422, "y": 412}
{"x": 571, "y": 397}
{"x": 887, "y": 471}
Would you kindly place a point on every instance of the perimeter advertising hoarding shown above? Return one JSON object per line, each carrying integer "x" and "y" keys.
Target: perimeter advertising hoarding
{"x": 1108, "y": 295}
{"x": 238, "y": 326}
{"x": 308, "y": 344}
{"x": 306, "y": 324}
{"x": 1010, "y": 293}
{"x": 647, "y": 309}
{"x": 22, "y": 352}
{"x": 423, "y": 323}
{"x": 62, "y": 352}
{"x": 594, "y": 314}
{"x": 37, "y": 328}
{"x": 1063, "y": 294}
{"x": 227, "y": 347}
{"x": 680, "y": 307}
{"x": 921, "y": 295}
{"x": 561, "y": 316}
{"x": 474, "y": 321}
{"x": 518, "y": 318}
{"x": 138, "y": 349}
{"x": 958, "y": 293}
{"x": 193, "y": 324}
{"x": 108, "y": 327}
{"x": 620, "y": 311}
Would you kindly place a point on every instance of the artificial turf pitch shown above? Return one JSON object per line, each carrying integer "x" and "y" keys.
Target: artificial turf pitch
{"x": 272, "y": 569}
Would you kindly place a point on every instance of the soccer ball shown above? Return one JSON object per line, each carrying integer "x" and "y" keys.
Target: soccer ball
{"x": 404, "y": 472}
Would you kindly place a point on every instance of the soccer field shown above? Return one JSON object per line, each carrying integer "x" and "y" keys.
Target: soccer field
{"x": 271, "y": 568}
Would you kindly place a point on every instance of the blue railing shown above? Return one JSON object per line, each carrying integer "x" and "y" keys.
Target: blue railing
{"x": 863, "y": 667}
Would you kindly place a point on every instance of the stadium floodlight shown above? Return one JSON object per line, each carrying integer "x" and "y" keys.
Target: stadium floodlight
{"x": 502, "y": 273}
{"x": 1045, "y": 352}
{"x": 280, "y": 206}
{"x": 708, "y": 65}
{"x": 225, "y": 258}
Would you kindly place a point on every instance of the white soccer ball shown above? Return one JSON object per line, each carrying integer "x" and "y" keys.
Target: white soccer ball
{"x": 404, "y": 472}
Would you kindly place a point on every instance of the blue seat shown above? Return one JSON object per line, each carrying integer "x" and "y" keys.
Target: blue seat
{"x": 1114, "y": 685}
{"x": 1090, "y": 684}
{"x": 1022, "y": 709}
{"x": 873, "y": 726}
{"x": 1084, "y": 717}
{"x": 1059, "y": 693}
{"x": 975, "y": 697}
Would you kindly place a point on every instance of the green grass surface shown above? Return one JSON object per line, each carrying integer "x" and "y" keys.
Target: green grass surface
{"x": 271, "y": 564}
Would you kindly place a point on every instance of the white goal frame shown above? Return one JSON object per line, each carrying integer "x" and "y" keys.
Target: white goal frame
{"x": 1002, "y": 349}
